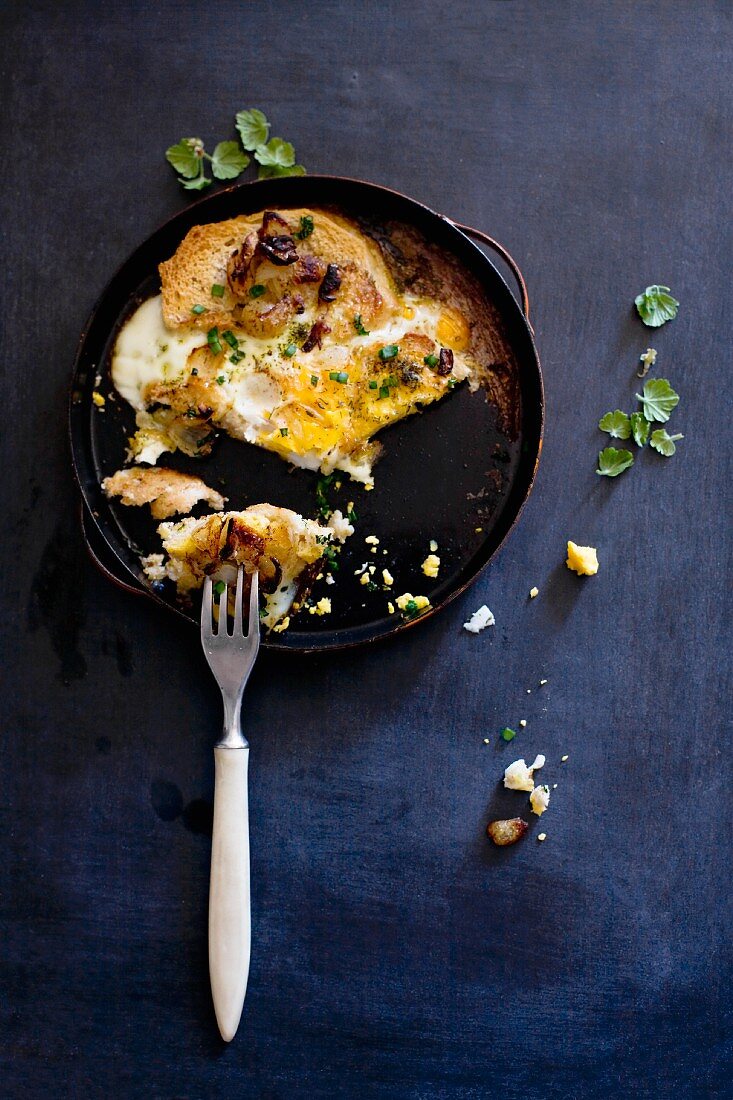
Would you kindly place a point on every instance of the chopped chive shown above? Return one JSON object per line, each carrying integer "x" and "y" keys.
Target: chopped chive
{"x": 221, "y": 379}
{"x": 391, "y": 381}
{"x": 283, "y": 431}
{"x": 314, "y": 380}
{"x": 230, "y": 339}
{"x": 290, "y": 350}
{"x": 358, "y": 325}
{"x": 338, "y": 376}
{"x": 373, "y": 385}
{"x": 384, "y": 391}
{"x": 198, "y": 309}
{"x": 389, "y": 351}
{"x": 219, "y": 587}
{"x": 508, "y": 734}
{"x": 257, "y": 290}
{"x": 351, "y": 516}
{"x": 194, "y": 371}
{"x": 237, "y": 357}
{"x": 217, "y": 290}
{"x": 213, "y": 337}
{"x": 431, "y": 360}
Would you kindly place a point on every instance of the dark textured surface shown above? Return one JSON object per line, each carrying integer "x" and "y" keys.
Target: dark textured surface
{"x": 395, "y": 954}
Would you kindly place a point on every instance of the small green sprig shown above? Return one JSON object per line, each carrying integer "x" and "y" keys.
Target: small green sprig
{"x": 275, "y": 156}
{"x": 658, "y": 400}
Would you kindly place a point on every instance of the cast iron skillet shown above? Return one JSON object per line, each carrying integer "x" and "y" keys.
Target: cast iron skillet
{"x": 454, "y": 473}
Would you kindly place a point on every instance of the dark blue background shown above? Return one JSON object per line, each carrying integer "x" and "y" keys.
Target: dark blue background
{"x": 395, "y": 954}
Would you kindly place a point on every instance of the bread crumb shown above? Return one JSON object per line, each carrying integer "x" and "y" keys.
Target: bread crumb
{"x": 542, "y": 836}
{"x": 523, "y": 722}
{"x": 533, "y": 592}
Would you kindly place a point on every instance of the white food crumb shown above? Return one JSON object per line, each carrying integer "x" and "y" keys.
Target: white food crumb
{"x": 371, "y": 540}
{"x": 542, "y": 836}
{"x": 431, "y": 565}
{"x": 340, "y": 526}
{"x": 648, "y": 358}
{"x": 539, "y": 800}
{"x": 329, "y": 578}
{"x": 480, "y": 620}
{"x": 278, "y": 629}
{"x": 387, "y": 578}
{"x": 486, "y": 740}
{"x": 518, "y": 777}
{"x": 533, "y": 592}
{"x": 542, "y": 682}
{"x": 433, "y": 546}
{"x": 563, "y": 759}
{"x": 153, "y": 567}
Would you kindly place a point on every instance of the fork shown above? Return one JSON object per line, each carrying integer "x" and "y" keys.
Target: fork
{"x": 230, "y": 658}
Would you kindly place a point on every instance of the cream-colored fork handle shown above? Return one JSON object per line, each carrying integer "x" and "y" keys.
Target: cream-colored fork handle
{"x": 230, "y": 928}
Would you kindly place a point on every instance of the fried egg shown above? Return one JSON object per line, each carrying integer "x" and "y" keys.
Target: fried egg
{"x": 306, "y": 347}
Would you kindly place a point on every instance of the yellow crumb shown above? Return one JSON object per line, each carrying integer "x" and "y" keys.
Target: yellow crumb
{"x": 533, "y": 592}
{"x": 542, "y": 836}
{"x": 98, "y": 400}
{"x": 387, "y": 578}
{"x": 283, "y": 625}
{"x": 390, "y": 608}
{"x": 323, "y": 607}
{"x": 583, "y": 560}
{"x": 431, "y": 565}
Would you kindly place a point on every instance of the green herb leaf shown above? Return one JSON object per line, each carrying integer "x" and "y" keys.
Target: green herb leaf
{"x": 389, "y": 351}
{"x": 221, "y": 380}
{"x": 219, "y": 587}
{"x": 431, "y": 360}
{"x": 290, "y": 351}
{"x": 230, "y": 338}
{"x": 257, "y": 290}
{"x": 384, "y": 391}
{"x": 373, "y": 385}
{"x": 186, "y": 156}
{"x": 612, "y": 462}
{"x": 306, "y": 227}
{"x": 217, "y": 290}
{"x": 639, "y": 428}
{"x": 314, "y": 380}
{"x": 508, "y": 734}
{"x": 253, "y": 128}
{"x": 276, "y": 153}
{"x": 659, "y": 399}
{"x": 195, "y": 185}
{"x": 228, "y": 161}
{"x": 271, "y": 171}
{"x": 338, "y": 376}
{"x": 664, "y": 443}
{"x": 617, "y": 424}
{"x": 359, "y": 326}
{"x": 283, "y": 431}
{"x": 656, "y": 305}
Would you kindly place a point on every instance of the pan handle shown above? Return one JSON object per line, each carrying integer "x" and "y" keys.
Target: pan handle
{"x": 90, "y": 537}
{"x": 479, "y": 235}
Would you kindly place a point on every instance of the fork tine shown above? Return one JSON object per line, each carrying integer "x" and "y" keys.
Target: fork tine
{"x": 206, "y": 609}
{"x": 238, "y": 598}
{"x": 253, "y": 625}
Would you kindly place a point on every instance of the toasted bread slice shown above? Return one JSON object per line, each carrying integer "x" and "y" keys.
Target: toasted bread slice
{"x": 168, "y": 492}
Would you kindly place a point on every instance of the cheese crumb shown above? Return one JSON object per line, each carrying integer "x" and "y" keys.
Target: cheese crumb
{"x": 387, "y": 578}
{"x": 533, "y": 592}
{"x": 284, "y": 624}
{"x": 563, "y": 759}
{"x": 523, "y": 722}
{"x": 330, "y": 579}
{"x": 433, "y": 546}
{"x": 420, "y": 602}
{"x": 431, "y": 565}
{"x": 390, "y": 607}
{"x": 539, "y": 800}
{"x": 340, "y": 526}
{"x": 518, "y": 777}
{"x": 480, "y": 620}
{"x": 486, "y": 740}
{"x": 542, "y": 836}
{"x": 583, "y": 560}
{"x": 364, "y": 578}
{"x": 542, "y": 682}
{"x": 98, "y": 400}
{"x": 323, "y": 607}
{"x": 371, "y": 540}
